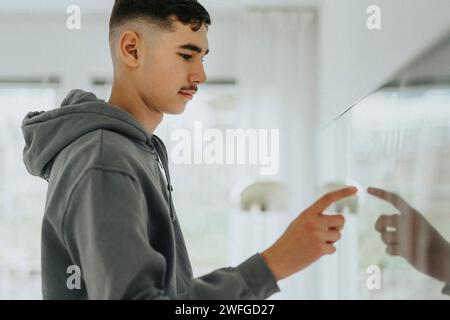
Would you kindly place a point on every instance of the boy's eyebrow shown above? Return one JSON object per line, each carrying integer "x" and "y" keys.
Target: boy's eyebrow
{"x": 193, "y": 47}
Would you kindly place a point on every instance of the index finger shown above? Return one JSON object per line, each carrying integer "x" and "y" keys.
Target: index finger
{"x": 326, "y": 200}
{"x": 390, "y": 197}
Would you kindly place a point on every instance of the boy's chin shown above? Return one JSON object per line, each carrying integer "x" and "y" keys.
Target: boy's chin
{"x": 176, "y": 109}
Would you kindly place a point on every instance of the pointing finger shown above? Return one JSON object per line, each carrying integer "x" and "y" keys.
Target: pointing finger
{"x": 325, "y": 201}
{"x": 392, "y": 198}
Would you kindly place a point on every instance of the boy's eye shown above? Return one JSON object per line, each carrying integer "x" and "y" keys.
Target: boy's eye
{"x": 186, "y": 57}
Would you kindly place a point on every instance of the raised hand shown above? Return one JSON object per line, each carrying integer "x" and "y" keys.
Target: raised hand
{"x": 308, "y": 237}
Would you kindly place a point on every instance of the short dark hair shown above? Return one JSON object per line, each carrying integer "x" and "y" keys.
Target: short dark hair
{"x": 160, "y": 13}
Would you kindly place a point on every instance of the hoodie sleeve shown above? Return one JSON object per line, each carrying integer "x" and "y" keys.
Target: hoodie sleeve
{"x": 446, "y": 289}
{"x": 105, "y": 230}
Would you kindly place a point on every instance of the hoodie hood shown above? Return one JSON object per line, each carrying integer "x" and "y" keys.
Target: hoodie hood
{"x": 46, "y": 133}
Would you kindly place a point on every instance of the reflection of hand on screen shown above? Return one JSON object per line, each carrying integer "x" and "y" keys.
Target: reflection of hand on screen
{"x": 409, "y": 235}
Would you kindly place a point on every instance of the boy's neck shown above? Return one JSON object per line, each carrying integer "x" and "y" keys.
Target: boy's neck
{"x": 129, "y": 100}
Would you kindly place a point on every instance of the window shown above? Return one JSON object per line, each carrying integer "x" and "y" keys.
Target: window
{"x": 397, "y": 139}
{"x": 22, "y": 196}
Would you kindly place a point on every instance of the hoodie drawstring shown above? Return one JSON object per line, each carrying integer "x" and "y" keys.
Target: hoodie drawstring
{"x": 162, "y": 154}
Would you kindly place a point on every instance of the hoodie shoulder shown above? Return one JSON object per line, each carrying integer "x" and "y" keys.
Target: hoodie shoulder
{"x": 104, "y": 148}
{"x": 79, "y": 126}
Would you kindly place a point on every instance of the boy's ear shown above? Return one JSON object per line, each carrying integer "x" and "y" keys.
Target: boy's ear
{"x": 129, "y": 50}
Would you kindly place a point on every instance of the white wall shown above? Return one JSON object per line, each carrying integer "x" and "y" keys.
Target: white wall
{"x": 42, "y": 46}
{"x": 355, "y": 61}
{"x": 434, "y": 64}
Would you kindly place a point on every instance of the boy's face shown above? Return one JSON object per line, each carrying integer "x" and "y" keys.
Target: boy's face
{"x": 171, "y": 68}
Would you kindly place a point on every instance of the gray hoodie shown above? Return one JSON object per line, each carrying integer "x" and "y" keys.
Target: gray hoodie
{"x": 109, "y": 214}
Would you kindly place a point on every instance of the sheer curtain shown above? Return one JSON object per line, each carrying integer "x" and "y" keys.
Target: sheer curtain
{"x": 277, "y": 78}
{"x": 22, "y": 196}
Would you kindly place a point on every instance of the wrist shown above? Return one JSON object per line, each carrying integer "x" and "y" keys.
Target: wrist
{"x": 446, "y": 264}
{"x": 438, "y": 262}
{"x": 270, "y": 261}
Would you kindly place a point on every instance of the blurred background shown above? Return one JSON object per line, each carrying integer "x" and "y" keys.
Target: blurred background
{"x": 352, "y": 106}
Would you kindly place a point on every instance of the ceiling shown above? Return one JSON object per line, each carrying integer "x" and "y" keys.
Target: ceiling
{"x": 103, "y": 6}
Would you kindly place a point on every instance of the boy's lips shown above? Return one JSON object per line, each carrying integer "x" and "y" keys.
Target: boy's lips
{"x": 189, "y": 94}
